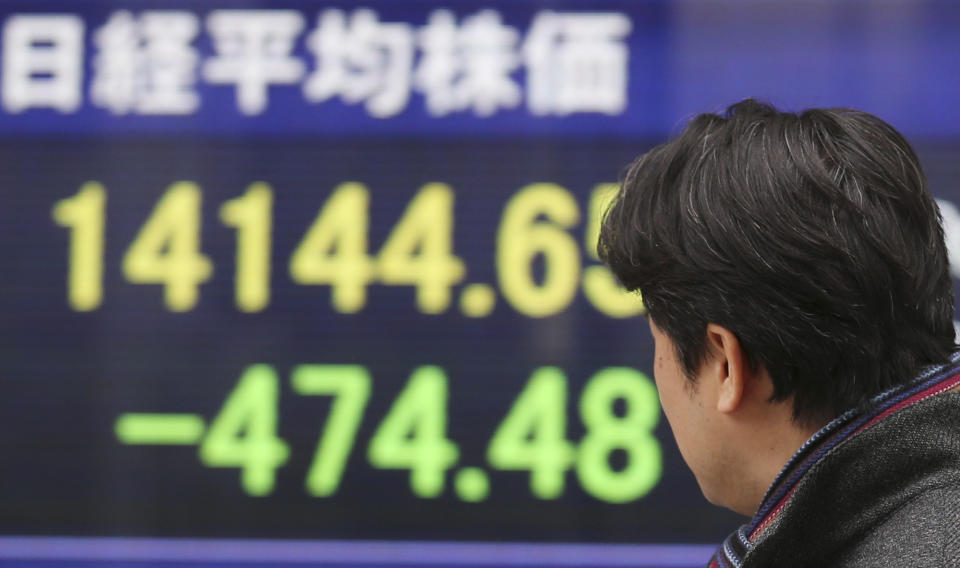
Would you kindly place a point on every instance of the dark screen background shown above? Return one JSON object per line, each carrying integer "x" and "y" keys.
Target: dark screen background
{"x": 67, "y": 375}
{"x": 70, "y": 374}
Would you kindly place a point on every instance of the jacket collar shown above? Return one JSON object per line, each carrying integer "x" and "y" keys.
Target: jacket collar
{"x": 931, "y": 381}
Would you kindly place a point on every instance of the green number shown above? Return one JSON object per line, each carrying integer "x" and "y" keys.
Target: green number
{"x": 533, "y": 435}
{"x": 632, "y": 432}
{"x": 350, "y": 387}
{"x": 244, "y": 433}
{"x": 413, "y": 433}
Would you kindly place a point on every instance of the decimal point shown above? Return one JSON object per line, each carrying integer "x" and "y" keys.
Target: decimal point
{"x": 477, "y": 300}
{"x": 472, "y": 484}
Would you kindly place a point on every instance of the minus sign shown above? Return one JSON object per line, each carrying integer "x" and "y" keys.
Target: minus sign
{"x": 159, "y": 429}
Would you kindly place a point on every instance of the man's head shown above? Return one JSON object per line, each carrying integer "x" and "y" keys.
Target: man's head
{"x": 810, "y": 240}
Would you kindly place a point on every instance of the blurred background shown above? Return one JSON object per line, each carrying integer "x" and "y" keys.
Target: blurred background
{"x": 302, "y": 283}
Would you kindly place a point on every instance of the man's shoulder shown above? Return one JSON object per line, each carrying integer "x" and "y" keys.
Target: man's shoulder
{"x": 889, "y": 495}
{"x": 915, "y": 516}
{"x": 923, "y": 532}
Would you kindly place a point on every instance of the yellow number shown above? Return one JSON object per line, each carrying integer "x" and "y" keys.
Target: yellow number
{"x": 522, "y": 237}
{"x": 418, "y": 250}
{"x": 251, "y": 215}
{"x": 167, "y": 249}
{"x": 334, "y": 250}
{"x": 83, "y": 214}
{"x": 599, "y": 285}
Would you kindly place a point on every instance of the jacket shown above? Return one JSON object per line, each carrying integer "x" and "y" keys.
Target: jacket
{"x": 875, "y": 487}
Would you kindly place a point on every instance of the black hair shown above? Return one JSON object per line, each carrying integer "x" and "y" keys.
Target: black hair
{"x": 813, "y": 237}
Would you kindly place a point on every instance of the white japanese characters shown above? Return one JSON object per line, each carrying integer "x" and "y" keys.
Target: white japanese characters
{"x": 577, "y": 63}
{"x": 152, "y": 62}
{"x": 146, "y": 65}
{"x": 254, "y": 50}
{"x": 42, "y": 62}
{"x": 470, "y": 66}
{"x": 361, "y": 59}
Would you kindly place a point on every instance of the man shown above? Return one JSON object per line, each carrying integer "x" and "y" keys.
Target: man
{"x": 796, "y": 282}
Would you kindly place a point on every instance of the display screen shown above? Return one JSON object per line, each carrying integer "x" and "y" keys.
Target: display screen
{"x": 293, "y": 282}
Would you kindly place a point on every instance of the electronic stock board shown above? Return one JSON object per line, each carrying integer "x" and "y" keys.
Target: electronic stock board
{"x": 297, "y": 272}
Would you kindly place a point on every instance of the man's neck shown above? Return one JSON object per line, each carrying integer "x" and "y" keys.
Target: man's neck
{"x": 766, "y": 445}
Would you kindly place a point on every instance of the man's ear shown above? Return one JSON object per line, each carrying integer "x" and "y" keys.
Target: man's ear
{"x": 730, "y": 365}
